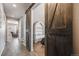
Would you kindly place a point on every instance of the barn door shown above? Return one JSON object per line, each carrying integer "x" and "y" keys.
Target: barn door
{"x": 58, "y": 25}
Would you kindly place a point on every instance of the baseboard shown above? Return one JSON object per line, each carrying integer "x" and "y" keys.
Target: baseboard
{"x": 2, "y": 50}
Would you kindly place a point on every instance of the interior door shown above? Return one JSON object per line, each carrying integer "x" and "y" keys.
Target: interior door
{"x": 58, "y": 29}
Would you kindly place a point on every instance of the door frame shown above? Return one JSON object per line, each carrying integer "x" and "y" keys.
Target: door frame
{"x": 32, "y": 36}
{"x": 32, "y": 25}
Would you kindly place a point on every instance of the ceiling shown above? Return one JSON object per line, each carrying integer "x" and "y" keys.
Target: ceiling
{"x": 15, "y": 10}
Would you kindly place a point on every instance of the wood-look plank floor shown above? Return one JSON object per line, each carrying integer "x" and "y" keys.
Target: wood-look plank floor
{"x": 39, "y": 49}
{"x": 16, "y": 48}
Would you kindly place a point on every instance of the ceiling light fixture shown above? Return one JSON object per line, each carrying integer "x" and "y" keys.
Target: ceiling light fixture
{"x": 14, "y": 5}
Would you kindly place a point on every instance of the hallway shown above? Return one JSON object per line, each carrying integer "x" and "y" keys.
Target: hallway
{"x": 16, "y": 48}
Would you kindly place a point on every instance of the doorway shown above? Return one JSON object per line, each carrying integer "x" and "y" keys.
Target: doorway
{"x": 38, "y": 29}
{"x": 12, "y": 29}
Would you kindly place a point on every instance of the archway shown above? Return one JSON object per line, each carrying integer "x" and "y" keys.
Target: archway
{"x": 39, "y": 33}
{"x": 38, "y": 37}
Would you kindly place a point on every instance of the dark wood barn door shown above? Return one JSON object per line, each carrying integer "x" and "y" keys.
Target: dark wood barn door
{"x": 58, "y": 29}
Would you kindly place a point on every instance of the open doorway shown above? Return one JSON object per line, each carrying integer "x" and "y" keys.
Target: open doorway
{"x": 38, "y": 41}
{"x": 38, "y": 29}
{"x": 12, "y": 29}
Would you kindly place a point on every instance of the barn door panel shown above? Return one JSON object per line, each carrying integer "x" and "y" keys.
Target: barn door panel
{"x": 58, "y": 25}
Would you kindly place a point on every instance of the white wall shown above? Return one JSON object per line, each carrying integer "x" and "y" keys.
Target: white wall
{"x": 22, "y": 29}
{"x": 2, "y": 28}
{"x": 19, "y": 29}
{"x": 38, "y": 15}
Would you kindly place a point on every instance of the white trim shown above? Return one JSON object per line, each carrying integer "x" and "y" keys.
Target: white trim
{"x": 2, "y": 50}
{"x": 31, "y": 30}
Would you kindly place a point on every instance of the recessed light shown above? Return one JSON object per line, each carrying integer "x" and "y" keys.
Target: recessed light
{"x": 14, "y": 5}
